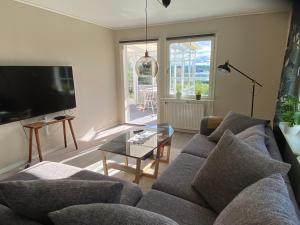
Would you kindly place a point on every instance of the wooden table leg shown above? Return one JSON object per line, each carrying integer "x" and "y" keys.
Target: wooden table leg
{"x": 104, "y": 162}
{"x": 72, "y": 132}
{"x": 126, "y": 161}
{"x": 157, "y": 163}
{"x": 37, "y": 138}
{"x": 169, "y": 151}
{"x": 30, "y": 145}
{"x": 162, "y": 148}
{"x": 64, "y": 130}
{"x": 138, "y": 171}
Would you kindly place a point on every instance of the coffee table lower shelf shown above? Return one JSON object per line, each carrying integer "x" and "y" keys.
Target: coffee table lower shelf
{"x": 138, "y": 171}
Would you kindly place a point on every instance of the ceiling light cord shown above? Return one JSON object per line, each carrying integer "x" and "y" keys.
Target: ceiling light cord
{"x": 146, "y": 10}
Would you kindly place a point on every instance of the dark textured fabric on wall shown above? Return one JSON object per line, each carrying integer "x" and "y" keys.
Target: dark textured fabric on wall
{"x": 290, "y": 78}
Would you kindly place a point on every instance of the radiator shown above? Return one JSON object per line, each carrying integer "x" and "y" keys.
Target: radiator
{"x": 184, "y": 114}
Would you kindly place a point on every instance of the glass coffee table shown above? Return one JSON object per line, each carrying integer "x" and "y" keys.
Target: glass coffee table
{"x": 140, "y": 144}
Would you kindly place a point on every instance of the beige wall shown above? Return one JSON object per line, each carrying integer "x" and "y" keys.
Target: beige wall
{"x": 32, "y": 36}
{"x": 254, "y": 43}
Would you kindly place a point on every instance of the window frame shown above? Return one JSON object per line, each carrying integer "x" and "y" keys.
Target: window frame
{"x": 212, "y": 68}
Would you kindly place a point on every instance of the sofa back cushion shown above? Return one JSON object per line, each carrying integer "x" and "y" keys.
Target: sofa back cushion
{"x": 234, "y": 122}
{"x": 35, "y": 199}
{"x": 107, "y": 214}
{"x": 232, "y": 166}
{"x": 8, "y": 217}
{"x": 265, "y": 202}
{"x": 255, "y": 136}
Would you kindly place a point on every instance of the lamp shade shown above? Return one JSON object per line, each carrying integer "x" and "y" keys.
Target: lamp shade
{"x": 166, "y": 3}
{"x": 146, "y": 66}
{"x": 224, "y": 69}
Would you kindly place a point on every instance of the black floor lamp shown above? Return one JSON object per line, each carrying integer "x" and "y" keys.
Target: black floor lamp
{"x": 225, "y": 68}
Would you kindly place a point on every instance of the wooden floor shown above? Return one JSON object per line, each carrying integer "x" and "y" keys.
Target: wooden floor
{"x": 89, "y": 157}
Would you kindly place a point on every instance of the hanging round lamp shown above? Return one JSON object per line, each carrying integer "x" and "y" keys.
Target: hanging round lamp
{"x": 146, "y": 65}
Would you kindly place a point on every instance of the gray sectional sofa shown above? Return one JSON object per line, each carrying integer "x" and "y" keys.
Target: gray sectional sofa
{"x": 172, "y": 194}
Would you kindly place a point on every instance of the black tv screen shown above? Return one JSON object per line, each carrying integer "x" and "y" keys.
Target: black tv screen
{"x": 29, "y": 91}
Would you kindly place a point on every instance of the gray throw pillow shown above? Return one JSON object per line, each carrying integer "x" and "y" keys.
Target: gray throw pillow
{"x": 107, "y": 214}
{"x": 253, "y": 130}
{"x": 265, "y": 202}
{"x": 35, "y": 199}
{"x": 255, "y": 137}
{"x": 8, "y": 217}
{"x": 232, "y": 166}
{"x": 234, "y": 122}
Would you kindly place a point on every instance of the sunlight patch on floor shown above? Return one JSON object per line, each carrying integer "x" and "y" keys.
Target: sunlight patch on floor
{"x": 92, "y": 135}
{"x": 144, "y": 120}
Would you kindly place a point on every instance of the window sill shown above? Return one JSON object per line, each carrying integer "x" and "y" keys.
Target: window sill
{"x": 292, "y": 139}
{"x": 187, "y": 100}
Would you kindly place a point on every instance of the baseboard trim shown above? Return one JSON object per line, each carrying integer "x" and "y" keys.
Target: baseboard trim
{"x": 23, "y": 163}
{"x": 12, "y": 167}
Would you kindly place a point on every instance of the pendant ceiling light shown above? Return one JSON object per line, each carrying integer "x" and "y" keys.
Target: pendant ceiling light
{"x": 146, "y": 65}
{"x": 165, "y": 3}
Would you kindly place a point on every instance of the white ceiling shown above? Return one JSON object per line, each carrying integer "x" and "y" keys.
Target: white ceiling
{"x": 117, "y": 14}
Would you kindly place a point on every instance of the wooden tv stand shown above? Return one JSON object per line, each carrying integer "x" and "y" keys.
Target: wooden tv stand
{"x": 34, "y": 127}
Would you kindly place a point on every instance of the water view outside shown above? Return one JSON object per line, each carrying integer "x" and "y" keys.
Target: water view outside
{"x": 190, "y": 66}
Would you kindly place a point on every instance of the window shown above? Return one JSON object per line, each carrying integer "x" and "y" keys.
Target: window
{"x": 190, "y": 66}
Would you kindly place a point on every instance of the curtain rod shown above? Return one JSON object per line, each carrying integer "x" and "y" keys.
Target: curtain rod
{"x": 191, "y": 36}
{"x": 138, "y": 41}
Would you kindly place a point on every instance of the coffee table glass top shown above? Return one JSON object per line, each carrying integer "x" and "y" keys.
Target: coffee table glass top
{"x": 139, "y": 144}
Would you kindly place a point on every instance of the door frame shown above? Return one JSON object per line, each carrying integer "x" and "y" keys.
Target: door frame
{"x": 123, "y": 78}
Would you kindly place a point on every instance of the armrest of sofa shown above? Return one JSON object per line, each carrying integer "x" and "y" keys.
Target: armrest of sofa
{"x": 209, "y": 124}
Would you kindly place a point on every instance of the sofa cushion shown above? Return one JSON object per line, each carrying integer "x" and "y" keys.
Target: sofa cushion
{"x": 199, "y": 146}
{"x": 8, "y": 217}
{"x": 275, "y": 154}
{"x": 230, "y": 168}
{"x": 253, "y": 130}
{"x": 107, "y": 214}
{"x": 255, "y": 137}
{"x": 130, "y": 195}
{"x": 293, "y": 198}
{"x": 182, "y": 211}
{"x": 234, "y": 122}
{"x": 264, "y": 202}
{"x": 35, "y": 199}
{"x": 177, "y": 178}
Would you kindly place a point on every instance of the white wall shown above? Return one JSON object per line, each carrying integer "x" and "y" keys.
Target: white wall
{"x": 254, "y": 43}
{"x": 32, "y": 36}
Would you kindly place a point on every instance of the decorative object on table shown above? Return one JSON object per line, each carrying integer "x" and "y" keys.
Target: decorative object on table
{"x": 146, "y": 65}
{"x": 198, "y": 90}
{"x": 225, "y": 69}
{"x": 290, "y": 114}
{"x": 142, "y": 137}
{"x": 178, "y": 91}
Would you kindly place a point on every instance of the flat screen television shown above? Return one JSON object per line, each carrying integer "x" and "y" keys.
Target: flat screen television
{"x": 29, "y": 91}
